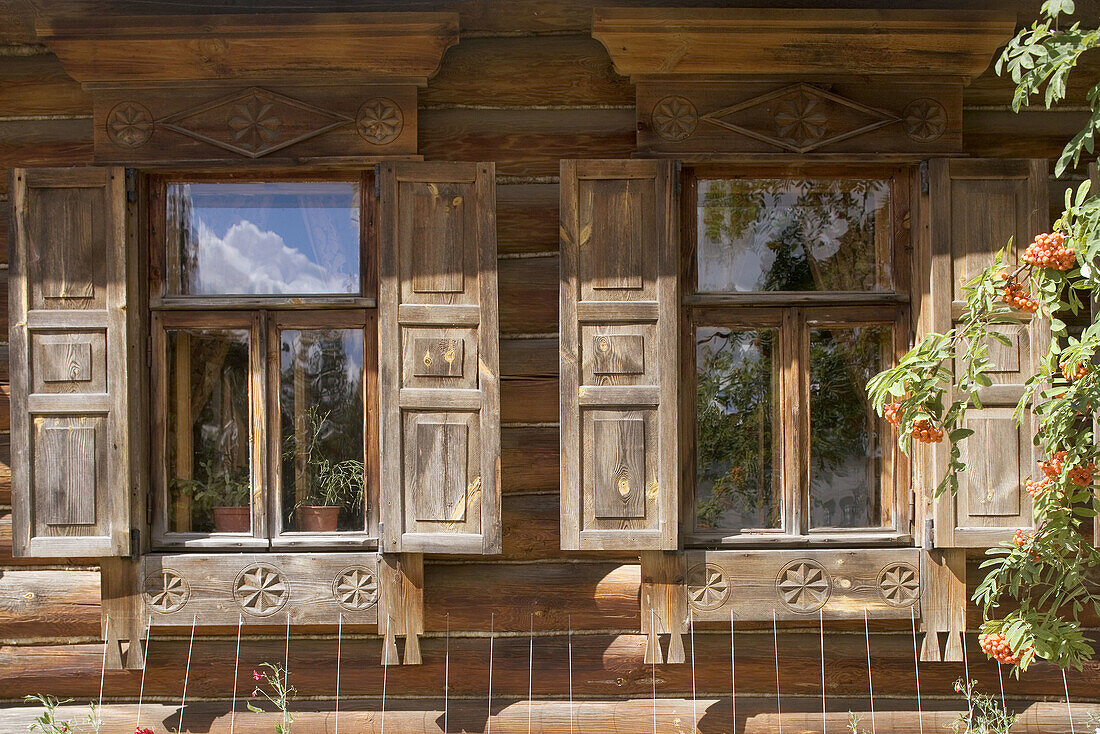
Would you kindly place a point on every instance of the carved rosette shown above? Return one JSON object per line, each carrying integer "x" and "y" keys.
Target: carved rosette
{"x": 253, "y": 124}
{"x": 166, "y": 591}
{"x": 379, "y": 121}
{"x": 355, "y": 589}
{"x": 261, "y": 590}
{"x": 129, "y": 124}
{"x": 899, "y": 584}
{"x": 803, "y": 586}
{"x": 707, "y": 587}
{"x": 800, "y": 120}
{"x": 925, "y": 120}
{"x": 674, "y": 118}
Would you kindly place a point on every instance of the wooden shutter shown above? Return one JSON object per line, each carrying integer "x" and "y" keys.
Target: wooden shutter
{"x": 69, "y": 364}
{"x": 439, "y": 384}
{"x": 976, "y": 207}
{"x": 619, "y": 355}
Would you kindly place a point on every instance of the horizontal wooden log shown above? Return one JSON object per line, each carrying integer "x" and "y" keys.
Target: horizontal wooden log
{"x": 529, "y": 357}
{"x": 565, "y": 71}
{"x": 38, "y": 85}
{"x": 39, "y": 605}
{"x": 527, "y": 218}
{"x": 604, "y": 665}
{"x": 528, "y": 295}
{"x": 530, "y": 458}
{"x": 6, "y": 559}
{"x": 755, "y": 715}
{"x": 1030, "y": 134}
{"x": 529, "y": 399}
{"x": 526, "y": 142}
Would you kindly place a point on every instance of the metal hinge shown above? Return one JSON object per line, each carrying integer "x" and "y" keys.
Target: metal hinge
{"x": 135, "y": 544}
{"x": 131, "y": 185}
{"x": 148, "y": 350}
{"x": 929, "y": 535}
{"x": 924, "y": 177}
{"x": 377, "y": 181}
{"x": 677, "y": 176}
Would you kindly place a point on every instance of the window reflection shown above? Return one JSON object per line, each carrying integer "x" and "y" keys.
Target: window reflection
{"x": 263, "y": 238}
{"x": 789, "y": 235}
{"x": 737, "y": 485}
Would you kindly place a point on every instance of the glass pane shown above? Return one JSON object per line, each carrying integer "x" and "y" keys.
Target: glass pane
{"x": 737, "y": 377}
{"x": 788, "y": 235}
{"x": 208, "y": 424}
{"x": 321, "y": 413}
{"x": 847, "y": 439}
{"x": 263, "y": 238}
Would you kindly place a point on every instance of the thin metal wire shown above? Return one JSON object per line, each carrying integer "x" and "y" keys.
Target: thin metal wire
{"x": 653, "y": 665}
{"x": 187, "y": 671}
{"x": 966, "y": 669}
{"x": 489, "y": 718}
{"x": 870, "y": 684}
{"x": 236, "y": 668}
{"x": 1001, "y": 680}
{"x": 570, "y": 619}
{"x": 778, "y": 696}
{"x": 733, "y": 676}
{"x": 916, "y": 668}
{"x": 144, "y": 663}
{"x": 286, "y": 662}
{"x": 821, "y": 639}
{"x": 103, "y": 668}
{"x": 1069, "y": 709}
{"x": 530, "y": 671}
{"x": 694, "y": 711}
{"x": 447, "y": 675}
{"x": 339, "y": 654}
{"x": 385, "y": 671}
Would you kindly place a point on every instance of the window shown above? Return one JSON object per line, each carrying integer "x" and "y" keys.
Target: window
{"x": 263, "y": 362}
{"x": 795, "y": 295}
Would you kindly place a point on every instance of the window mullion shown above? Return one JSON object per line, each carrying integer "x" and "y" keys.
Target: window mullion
{"x": 258, "y": 423}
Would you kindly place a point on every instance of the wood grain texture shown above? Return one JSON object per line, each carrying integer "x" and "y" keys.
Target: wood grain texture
{"x": 45, "y": 605}
{"x": 527, "y": 218}
{"x": 528, "y": 295}
{"x": 38, "y": 85}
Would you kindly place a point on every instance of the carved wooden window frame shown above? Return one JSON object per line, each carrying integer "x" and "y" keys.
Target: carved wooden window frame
{"x": 263, "y": 317}
{"x": 794, "y": 314}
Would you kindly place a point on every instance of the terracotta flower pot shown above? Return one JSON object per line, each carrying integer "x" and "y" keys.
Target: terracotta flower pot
{"x": 232, "y": 519}
{"x": 317, "y": 519}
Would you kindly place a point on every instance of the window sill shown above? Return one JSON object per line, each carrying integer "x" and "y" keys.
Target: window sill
{"x": 777, "y": 541}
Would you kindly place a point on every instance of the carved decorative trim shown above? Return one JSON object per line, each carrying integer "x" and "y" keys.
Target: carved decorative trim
{"x": 925, "y": 120}
{"x": 900, "y": 584}
{"x": 166, "y": 591}
{"x": 129, "y": 124}
{"x": 379, "y": 121}
{"x": 707, "y": 587}
{"x": 355, "y": 588}
{"x": 675, "y": 118}
{"x": 803, "y": 585}
{"x": 261, "y": 590}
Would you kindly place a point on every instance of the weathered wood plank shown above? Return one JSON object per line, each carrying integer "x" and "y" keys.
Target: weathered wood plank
{"x": 530, "y": 458}
{"x": 37, "y": 85}
{"x": 526, "y": 142}
{"x": 40, "y": 605}
{"x": 1004, "y": 134}
{"x": 529, "y": 399}
{"x": 528, "y": 295}
{"x": 756, "y": 715}
{"x": 566, "y": 71}
{"x": 529, "y": 357}
{"x": 527, "y": 218}
{"x": 5, "y": 469}
{"x": 6, "y": 560}
{"x": 603, "y": 665}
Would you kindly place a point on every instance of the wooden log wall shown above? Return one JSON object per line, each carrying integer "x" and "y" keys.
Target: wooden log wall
{"x": 526, "y": 87}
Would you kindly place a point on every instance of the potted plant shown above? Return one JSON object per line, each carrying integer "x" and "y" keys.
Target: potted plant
{"x": 330, "y": 486}
{"x": 220, "y": 494}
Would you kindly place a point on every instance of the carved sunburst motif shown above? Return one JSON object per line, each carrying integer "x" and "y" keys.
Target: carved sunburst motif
{"x": 254, "y": 123}
{"x": 166, "y": 591}
{"x": 707, "y": 587}
{"x": 129, "y": 124}
{"x": 379, "y": 121}
{"x": 261, "y": 590}
{"x": 925, "y": 120}
{"x": 899, "y": 584}
{"x": 674, "y": 118}
{"x": 803, "y": 585}
{"x": 355, "y": 588}
{"x": 801, "y": 120}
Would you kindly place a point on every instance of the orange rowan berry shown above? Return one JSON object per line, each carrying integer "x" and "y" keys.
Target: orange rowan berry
{"x": 1072, "y": 374}
{"x": 1053, "y": 467}
{"x": 1017, "y": 296}
{"x": 1082, "y": 475}
{"x": 1036, "y": 489}
{"x": 996, "y": 646}
{"x": 925, "y": 432}
{"x": 1049, "y": 251}
{"x": 892, "y": 413}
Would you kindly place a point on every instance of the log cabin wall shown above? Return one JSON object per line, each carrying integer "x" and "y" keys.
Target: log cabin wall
{"x": 526, "y": 87}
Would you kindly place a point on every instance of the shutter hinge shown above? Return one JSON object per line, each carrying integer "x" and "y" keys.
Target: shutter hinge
{"x": 377, "y": 181}
{"x": 131, "y": 185}
{"x": 924, "y": 177}
{"x": 929, "y": 535}
{"x": 148, "y": 350}
{"x": 150, "y": 507}
{"x": 677, "y": 177}
{"x": 135, "y": 544}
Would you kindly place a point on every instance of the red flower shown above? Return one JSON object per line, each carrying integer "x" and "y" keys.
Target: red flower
{"x": 143, "y": 730}
{"x": 256, "y": 675}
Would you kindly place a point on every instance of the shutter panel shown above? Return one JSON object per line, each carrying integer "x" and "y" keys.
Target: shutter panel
{"x": 619, "y": 355}
{"x": 69, "y": 341}
{"x": 439, "y": 385}
{"x": 976, "y": 207}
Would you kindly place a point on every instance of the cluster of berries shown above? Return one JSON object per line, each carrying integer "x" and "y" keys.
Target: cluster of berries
{"x": 996, "y": 646}
{"x": 892, "y": 413}
{"x": 1082, "y": 475}
{"x": 925, "y": 432}
{"x": 1076, "y": 373}
{"x": 1017, "y": 296}
{"x": 1036, "y": 489}
{"x": 1053, "y": 467}
{"x": 1022, "y": 538}
{"x": 1048, "y": 251}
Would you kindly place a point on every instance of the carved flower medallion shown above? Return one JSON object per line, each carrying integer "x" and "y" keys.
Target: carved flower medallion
{"x": 800, "y": 120}
{"x": 254, "y": 123}
{"x": 261, "y": 590}
{"x": 803, "y": 585}
{"x": 925, "y": 120}
{"x": 166, "y": 591}
{"x": 129, "y": 124}
{"x": 674, "y": 118}
{"x": 707, "y": 587}
{"x": 355, "y": 589}
{"x": 899, "y": 584}
{"x": 379, "y": 121}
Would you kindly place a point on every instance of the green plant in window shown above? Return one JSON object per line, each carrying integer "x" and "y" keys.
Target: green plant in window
{"x": 215, "y": 485}
{"x": 328, "y": 483}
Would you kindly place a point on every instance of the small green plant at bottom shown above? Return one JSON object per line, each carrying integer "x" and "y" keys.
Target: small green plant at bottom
{"x": 272, "y": 685}
{"x": 985, "y": 713}
{"x": 48, "y": 722}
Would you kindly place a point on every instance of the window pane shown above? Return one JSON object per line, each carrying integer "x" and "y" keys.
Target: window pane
{"x": 737, "y": 374}
{"x": 208, "y": 426}
{"x": 263, "y": 238}
{"x": 788, "y": 235}
{"x": 847, "y": 439}
{"x": 321, "y": 414}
